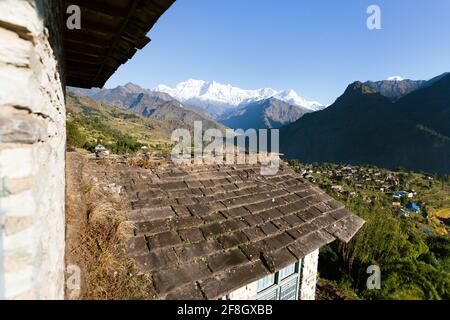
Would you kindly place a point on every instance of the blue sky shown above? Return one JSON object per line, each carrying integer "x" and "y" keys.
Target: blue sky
{"x": 314, "y": 47}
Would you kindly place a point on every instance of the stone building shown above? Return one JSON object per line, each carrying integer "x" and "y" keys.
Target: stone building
{"x": 269, "y": 248}
{"x": 227, "y": 232}
{"x": 39, "y": 56}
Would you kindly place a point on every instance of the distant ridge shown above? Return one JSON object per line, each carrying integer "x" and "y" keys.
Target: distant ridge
{"x": 265, "y": 114}
{"x": 216, "y": 98}
{"x": 396, "y": 87}
{"x": 150, "y": 104}
{"x": 365, "y": 127}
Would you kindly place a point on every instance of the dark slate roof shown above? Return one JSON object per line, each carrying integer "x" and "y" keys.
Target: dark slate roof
{"x": 111, "y": 33}
{"x": 204, "y": 231}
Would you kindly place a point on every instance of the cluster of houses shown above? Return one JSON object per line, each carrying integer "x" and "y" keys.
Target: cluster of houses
{"x": 410, "y": 206}
{"x": 359, "y": 177}
{"x": 364, "y": 178}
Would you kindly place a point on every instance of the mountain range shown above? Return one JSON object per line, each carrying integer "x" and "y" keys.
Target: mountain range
{"x": 389, "y": 123}
{"x": 150, "y": 104}
{"x": 216, "y": 98}
{"x": 363, "y": 126}
{"x": 269, "y": 113}
{"x": 396, "y": 87}
{"x": 231, "y": 106}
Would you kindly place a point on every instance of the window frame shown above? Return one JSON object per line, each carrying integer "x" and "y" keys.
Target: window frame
{"x": 274, "y": 281}
{"x": 294, "y": 270}
{"x": 279, "y": 282}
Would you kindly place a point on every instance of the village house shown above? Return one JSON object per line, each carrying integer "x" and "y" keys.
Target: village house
{"x": 226, "y": 232}
{"x": 233, "y": 234}
{"x": 101, "y": 151}
{"x": 39, "y": 56}
{"x": 413, "y": 207}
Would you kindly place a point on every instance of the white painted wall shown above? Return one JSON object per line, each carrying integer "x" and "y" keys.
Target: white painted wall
{"x": 248, "y": 292}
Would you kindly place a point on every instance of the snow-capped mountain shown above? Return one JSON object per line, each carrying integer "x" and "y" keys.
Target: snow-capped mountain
{"x": 395, "y": 78}
{"x": 216, "y": 98}
{"x": 291, "y": 97}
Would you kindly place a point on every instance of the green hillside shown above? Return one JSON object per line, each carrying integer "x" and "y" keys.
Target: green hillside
{"x": 364, "y": 127}
{"x": 150, "y": 104}
{"x": 90, "y": 122}
{"x": 412, "y": 251}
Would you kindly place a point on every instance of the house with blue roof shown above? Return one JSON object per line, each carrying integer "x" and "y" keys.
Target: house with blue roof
{"x": 414, "y": 207}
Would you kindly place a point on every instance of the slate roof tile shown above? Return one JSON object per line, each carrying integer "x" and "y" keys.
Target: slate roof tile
{"x": 277, "y": 260}
{"x": 190, "y": 292}
{"x": 149, "y": 228}
{"x": 269, "y": 228}
{"x": 200, "y": 210}
{"x": 158, "y": 259}
{"x": 165, "y": 239}
{"x": 181, "y": 223}
{"x": 151, "y": 214}
{"x": 270, "y": 215}
{"x": 231, "y": 240}
{"x": 204, "y": 231}
{"x": 181, "y": 210}
{"x": 137, "y": 246}
{"x": 214, "y": 217}
{"x": 279, "y": 241}
{"x": 254, "y": 233}
{"x": 192, "y": 251}
{"x": 309, "y": 214}
{"x": 191, "y": 235}
{"x": 223, "y": 283}
{"x": 253, "y": 220}
{"x": 168, "y": 280}
{"x": 226, "y": 259}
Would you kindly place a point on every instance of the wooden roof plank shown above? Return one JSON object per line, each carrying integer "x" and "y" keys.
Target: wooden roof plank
{"x": 102, "y": 9}
{"x": 112, "y": 32}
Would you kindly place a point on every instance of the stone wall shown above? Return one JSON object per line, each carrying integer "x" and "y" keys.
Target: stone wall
{"x": 32, "y": 145}
{"x": 309, "y": 276}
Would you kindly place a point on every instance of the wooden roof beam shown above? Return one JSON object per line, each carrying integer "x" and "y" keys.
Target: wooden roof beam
{"x": 130, "y": 14}
{"x": 99, "y": 8}
{"x": 82, "y": 36}
{"x": 82, "y": 57}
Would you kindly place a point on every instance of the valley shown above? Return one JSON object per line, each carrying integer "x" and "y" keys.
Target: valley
{"x": 346, "y": 145}
{"x": 412, "y": 250}
{"x": 390, "y": 123}
{"x": 365, "y": 127}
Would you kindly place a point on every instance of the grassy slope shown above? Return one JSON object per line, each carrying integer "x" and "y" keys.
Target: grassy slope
{"x": 363, "y": 127}
{"x": 89, "y": 121}
{"x": 413, "y": 265}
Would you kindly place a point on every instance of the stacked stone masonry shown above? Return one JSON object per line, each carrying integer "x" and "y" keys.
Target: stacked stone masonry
{"x": 309, "y": 276}
{"x": 32, "y": 145}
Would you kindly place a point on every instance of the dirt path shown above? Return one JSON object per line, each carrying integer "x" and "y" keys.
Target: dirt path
{"x": 76, "y": 220}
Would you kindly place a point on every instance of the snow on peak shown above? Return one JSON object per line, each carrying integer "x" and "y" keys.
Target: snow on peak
{"x": 395, "y": 78}
{"x": 291, "y": 97}
{"x": 208, "y": 95}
